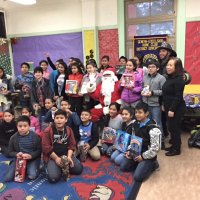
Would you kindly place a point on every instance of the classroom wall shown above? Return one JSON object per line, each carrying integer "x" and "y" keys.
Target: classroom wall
{"x": 61, "y": 15}
{"x": 192, "y": 8}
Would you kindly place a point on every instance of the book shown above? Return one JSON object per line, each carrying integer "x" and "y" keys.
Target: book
{"x": 128, "y": 80}
{"x": 120, "y": 69}
{"x": 122, "y": 141}
{"x": 109, "y": 135}
{"x": 71, "y": 87}
{"x": 20, "y": 170}
{"x": 83, "y": 89}
{"x": 135, "y": 146}
{"x": 145, "y": 89}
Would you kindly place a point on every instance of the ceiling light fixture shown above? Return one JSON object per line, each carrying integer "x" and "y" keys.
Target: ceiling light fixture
{"x": 24, "y": 2}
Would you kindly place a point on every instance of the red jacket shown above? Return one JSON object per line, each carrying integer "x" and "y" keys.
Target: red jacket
{"x": 96, "y": 95}
{"x": 47, "y": 141}
{"x": 77, "y": 77}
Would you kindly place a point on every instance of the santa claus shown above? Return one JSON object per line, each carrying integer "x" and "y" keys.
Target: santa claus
{"x": 106, "y": 93}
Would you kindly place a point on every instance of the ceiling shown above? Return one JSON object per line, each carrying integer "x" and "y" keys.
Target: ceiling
{"x": 10, "y": 6}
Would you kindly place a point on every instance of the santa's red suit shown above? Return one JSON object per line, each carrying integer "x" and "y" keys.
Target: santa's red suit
{"x": 106, "y": 93}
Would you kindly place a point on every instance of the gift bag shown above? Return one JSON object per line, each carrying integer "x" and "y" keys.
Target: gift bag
{"x": 20, "y": 170}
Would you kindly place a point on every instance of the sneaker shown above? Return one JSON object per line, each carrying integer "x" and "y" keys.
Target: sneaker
{"x": 156, "y": 166}
{"x": 162, "y": 146}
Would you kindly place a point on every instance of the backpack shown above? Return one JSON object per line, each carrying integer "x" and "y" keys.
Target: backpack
{"x": 194, "y": 140}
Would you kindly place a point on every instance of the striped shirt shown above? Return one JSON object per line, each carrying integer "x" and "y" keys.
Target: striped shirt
{"x": 26, "y": 142}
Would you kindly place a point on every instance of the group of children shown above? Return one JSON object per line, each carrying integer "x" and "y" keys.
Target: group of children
{"x": 55, "y": 123}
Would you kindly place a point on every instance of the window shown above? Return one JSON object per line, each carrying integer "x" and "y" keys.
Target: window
{"x": 149, "y": 17}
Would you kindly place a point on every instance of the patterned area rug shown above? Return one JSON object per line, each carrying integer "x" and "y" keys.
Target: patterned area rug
{"x": 100, "y": 180}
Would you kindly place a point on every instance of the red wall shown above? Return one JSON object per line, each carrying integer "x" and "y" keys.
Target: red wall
{"x": 192, "y": 51}
{"x": 108, "y": 45}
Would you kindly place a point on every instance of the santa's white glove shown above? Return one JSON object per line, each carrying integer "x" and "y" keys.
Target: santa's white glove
{"x": 105, "y": 110}
{"x": 91, "y": 87}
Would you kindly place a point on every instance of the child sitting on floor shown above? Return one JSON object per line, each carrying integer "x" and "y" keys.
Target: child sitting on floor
{"x": 58, "y": 140}
{"x": 73, "y": 120}
{"x": 145, "y": 163}
{"x": 127, "y": 116}
{"x": 8, "y": 128}
{"x": 24, "y": 144}
{"x": 112, "y": 120}
{"x": 88, "y": 137}
{"x": 35, "y": 124}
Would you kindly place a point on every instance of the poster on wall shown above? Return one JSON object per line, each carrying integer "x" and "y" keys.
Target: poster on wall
{"x": 147, "y": 45}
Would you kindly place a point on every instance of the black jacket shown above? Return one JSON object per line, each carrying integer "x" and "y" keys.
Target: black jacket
{"x": 6, "y": 131}
{"x": 172, "y": 92}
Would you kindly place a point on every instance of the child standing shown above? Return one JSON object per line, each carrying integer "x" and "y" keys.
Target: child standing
{"x": 23, "y": 83}
{"x": 44, "y": 65}
{"x": 112, "y": 120}
{"x": 76, "y": 100}
{"x": 60, "y": 81}
{"x": 127, "y": 125}
{"x": 40, "y": 90}
{"x": 24, "y": 144}
{"x": 143, "y": 164}
{"x": 58, "y": 140}
{"x": 8, "y": 128}
{"x": 34, "y": 122}
{"x": 5, "y": 90}
{"x": 132, "y": 88}
{"x": 92, "y": 77}
{"x": 88, "y": 136}
{"x": 154, "y": 82}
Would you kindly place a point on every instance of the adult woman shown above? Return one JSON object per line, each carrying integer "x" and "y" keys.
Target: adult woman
{"x": 173, "y": 102}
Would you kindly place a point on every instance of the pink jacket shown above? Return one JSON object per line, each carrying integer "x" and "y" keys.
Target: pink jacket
{"x": 35, "y": 125}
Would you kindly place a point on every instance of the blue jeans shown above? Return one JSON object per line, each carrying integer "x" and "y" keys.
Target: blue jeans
{"x": 32, "y": 168}
{"x": 54, "y": 172}
{"x": 155, "y": 114}
{"x": 117, "y": 157}
{"x": 142, "y": 169}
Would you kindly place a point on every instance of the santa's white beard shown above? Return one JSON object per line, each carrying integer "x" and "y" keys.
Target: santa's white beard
{"x": 107, "y": 88}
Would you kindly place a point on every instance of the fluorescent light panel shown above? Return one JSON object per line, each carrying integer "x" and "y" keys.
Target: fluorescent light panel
{"x": 25, "y": 2}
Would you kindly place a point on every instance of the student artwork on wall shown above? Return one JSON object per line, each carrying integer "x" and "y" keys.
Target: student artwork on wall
{"x": 192, "y": 50}
{"x": 108, "y": 45}
{"x": 5, "y": 58}
{"x": 32, "y": 49}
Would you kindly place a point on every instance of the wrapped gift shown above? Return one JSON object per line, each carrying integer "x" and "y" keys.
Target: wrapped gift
{"x": 122, "y": 141}
{"x": 135, "y": 146}
{"x": 128, "y": 80}
{"x": 20, "y": 170}
{"x": 109, "y": 135}
{"x": 120, "y": 69}
{"x": 71, "y": 87}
